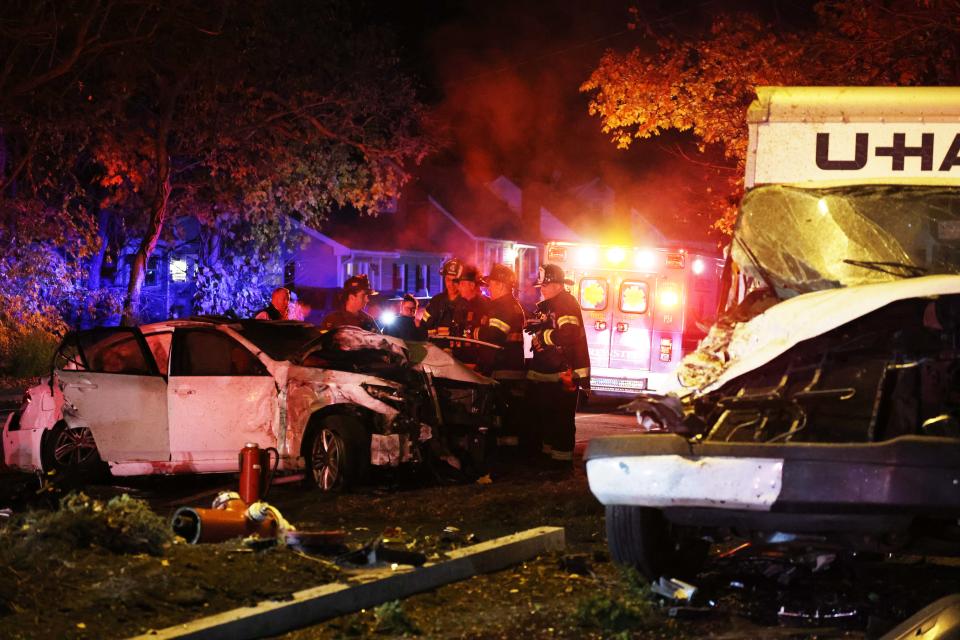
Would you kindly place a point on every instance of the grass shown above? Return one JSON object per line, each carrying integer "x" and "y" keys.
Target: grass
{"x": 31, "y": 354}
{"x": 392, "y": 620}
{"x": 628, "y": 605}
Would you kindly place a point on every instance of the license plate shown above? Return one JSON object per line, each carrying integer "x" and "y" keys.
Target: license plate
{"x": 627, "y": 384}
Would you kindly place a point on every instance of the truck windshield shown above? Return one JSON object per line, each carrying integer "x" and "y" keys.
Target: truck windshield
{"x": 805, "y": 240}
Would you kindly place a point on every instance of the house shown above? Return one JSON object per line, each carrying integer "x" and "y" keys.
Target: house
{"x": 442, "y": 213}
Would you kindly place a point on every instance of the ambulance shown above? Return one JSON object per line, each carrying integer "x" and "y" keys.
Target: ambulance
{"x": 643, "y": 309}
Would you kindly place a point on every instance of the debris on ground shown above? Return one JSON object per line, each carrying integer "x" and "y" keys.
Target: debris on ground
{"x": 673, "y": 589}
{"x": 578, "y": 564}
{"x": 376, "y": 553}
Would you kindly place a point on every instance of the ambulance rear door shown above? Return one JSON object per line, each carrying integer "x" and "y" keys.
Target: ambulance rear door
{"x": 593, "y": 293}
{"x": 630, "y": 330}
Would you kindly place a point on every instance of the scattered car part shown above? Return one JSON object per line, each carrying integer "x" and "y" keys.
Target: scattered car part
{"x": 673, "y": 589}
{"x": 939, "y": 620}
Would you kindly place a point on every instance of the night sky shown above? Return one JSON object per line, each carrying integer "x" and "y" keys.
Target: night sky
{"x": 503, "y": 80}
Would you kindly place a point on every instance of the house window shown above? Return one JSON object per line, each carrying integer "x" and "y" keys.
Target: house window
{"x": 150, "y": 278}
{"x": 493, "y": 256}
{"x": 178, "y": 270}
{"x": 420, "y": 277}
{"x": 397, "y": 276}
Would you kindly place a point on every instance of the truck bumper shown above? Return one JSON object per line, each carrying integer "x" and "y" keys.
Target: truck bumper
{"x": 910, "y": 475}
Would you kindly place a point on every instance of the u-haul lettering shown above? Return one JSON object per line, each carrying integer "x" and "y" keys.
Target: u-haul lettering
{"x": 792, "y": 152}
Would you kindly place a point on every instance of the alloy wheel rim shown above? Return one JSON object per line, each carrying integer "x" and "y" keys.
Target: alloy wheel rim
{"x": 74, "y": 447}
{"x": 327, "y": 459}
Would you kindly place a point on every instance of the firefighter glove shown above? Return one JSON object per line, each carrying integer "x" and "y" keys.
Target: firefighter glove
{"x": 537, "y": 342}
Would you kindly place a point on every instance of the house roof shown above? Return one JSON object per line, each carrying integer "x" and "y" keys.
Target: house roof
{"x": 419, "y": 230}
{"x": 474, "y": 206}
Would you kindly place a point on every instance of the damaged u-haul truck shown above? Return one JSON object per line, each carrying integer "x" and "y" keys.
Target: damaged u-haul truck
{"x": 823, "y": 407}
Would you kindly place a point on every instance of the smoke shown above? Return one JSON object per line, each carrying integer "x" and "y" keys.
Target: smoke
{"x": 510, "y": 74}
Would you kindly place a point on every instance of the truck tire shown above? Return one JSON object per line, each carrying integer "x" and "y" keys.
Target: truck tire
{"x": 642, "y": 538}
{"x": 337, "y": 453}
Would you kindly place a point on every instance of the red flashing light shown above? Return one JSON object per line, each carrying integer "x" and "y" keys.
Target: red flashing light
{"x": 556, "y": 254}
{"x": 675, "y": 260}
{"x": 622, "y": 326}
{"x": 600, "y": 325}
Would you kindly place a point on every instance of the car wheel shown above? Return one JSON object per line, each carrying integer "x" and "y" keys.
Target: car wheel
{"x": 642, "y": 538}
{"x": 72, "y": 452}
{"x": 335, "y": 453}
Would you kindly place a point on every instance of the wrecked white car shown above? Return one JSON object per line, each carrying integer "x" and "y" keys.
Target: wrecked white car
{"x": 185, "y": 396}
{"x": 824, "y": 406}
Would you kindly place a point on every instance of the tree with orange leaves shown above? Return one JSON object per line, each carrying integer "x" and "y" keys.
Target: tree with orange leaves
{"x": 703, "y": 83}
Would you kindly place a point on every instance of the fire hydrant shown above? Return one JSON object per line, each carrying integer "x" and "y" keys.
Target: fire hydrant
{"x": 235, "y": 514}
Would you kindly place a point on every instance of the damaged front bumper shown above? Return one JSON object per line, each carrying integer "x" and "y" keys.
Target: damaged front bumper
{"x": 786, "y": 487}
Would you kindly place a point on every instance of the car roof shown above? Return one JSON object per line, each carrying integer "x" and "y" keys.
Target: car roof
{"x": 216, "y": 321}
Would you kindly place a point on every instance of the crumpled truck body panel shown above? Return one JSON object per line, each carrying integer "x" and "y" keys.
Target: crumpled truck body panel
{"x": 758, "y": 341}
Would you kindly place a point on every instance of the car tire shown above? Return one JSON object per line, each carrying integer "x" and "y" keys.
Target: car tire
{"x": 337, "y": 453}
{"x": 642, "y": 538}
{"x": 73, "y": 453}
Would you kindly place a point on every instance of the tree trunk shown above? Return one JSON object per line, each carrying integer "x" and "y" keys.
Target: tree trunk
{"x": 89, "y": 315}
{"x": 158, "y": 213}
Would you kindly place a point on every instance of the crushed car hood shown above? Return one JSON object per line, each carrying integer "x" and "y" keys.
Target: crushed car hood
{"x": 420, "y": 355}
{"x": 738, "y": 349}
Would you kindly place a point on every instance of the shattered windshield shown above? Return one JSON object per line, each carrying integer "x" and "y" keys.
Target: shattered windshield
{"x": 802, "y": 240}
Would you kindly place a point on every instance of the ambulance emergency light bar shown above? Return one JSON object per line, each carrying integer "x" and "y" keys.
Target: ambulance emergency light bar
{"x": 614, "y": 257}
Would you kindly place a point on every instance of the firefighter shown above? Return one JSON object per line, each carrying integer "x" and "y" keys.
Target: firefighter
{"x": 559, "y": 369}
{"x": 438, "y": 316}
{"x": 503, "y": 326}
{"x": 355, "y": 295}
{"x": 469, "y": 310}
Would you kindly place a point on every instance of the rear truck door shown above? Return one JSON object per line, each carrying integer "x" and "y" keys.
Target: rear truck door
{"x": 221, "y": 397}
{"x": 111, "y": 384}
{"x": 593, "y": 293}
{"x": 630, "y": 330}
{"x": 667, "y": 322}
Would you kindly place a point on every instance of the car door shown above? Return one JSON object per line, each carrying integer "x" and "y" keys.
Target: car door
{"x": 221, "y": 397}
{"x": 112, "y": 386}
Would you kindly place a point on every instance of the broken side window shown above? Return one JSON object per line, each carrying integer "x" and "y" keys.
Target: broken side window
{"x": 113, "y": 350}
{"x": 211, "y": 353}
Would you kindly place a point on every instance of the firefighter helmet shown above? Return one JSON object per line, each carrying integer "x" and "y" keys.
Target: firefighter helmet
{"x": 502, "y": 273}
{"x": 451, "y": 267}
{"x": 469, "y": 273}
{"x": 551, "y": 273}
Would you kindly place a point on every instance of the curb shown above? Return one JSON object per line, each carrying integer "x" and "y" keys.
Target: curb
{"x": 369, "y": 589}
